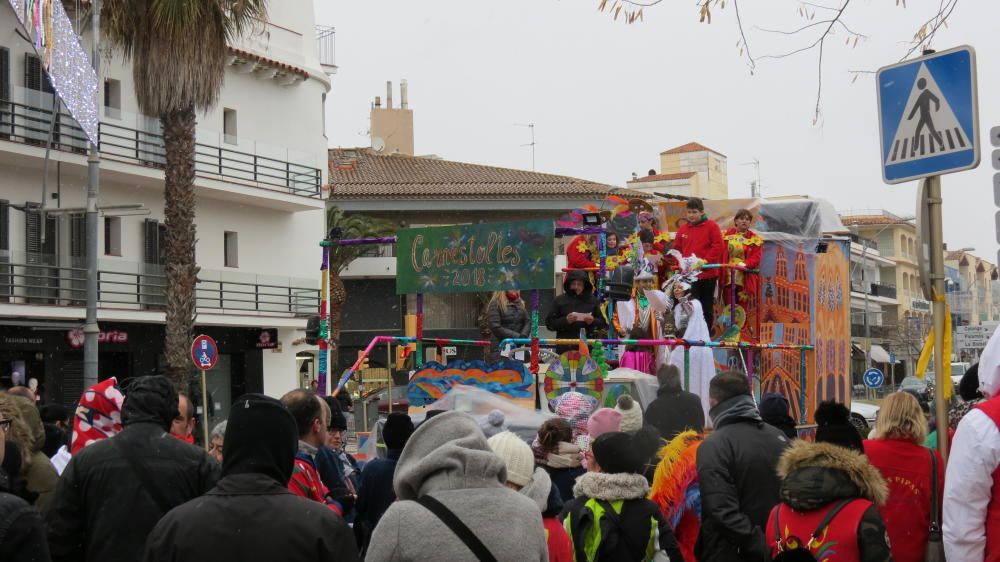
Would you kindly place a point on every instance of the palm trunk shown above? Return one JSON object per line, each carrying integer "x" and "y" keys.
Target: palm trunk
{"x": 181, "y": 270}
{"x": 338, "y": 296}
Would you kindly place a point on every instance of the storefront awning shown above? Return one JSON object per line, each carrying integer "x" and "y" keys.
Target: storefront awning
{"x": 879, "y": 354}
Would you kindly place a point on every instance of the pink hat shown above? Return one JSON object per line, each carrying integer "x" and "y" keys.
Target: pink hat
{"x": 604, "y": 420}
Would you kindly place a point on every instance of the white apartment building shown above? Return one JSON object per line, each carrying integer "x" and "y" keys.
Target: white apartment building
{"x": 261, "y": 168}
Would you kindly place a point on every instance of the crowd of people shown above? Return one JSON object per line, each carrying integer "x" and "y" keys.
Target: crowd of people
{"x": 594, "y": 483}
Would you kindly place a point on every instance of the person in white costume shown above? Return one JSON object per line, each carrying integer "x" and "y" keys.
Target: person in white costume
{"x": 971, "y": 506}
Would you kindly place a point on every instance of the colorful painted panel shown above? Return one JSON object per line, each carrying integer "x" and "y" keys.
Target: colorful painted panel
{"x": 510, "y": 379}
{"x": 475, "y": 257}
{"x": 573, "y": 371}
{"x": 830, "y": 379}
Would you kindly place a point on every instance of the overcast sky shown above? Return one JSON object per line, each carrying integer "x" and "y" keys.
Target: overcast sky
{"x": 606, "y": 98}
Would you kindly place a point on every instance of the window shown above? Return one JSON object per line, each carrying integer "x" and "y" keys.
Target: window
{"x": 112, "y": 98}
{"x": 78, "y": 237}
{"x": 112, "y": 236}
{"x": 155, "y": 233}
{"x": 229, "y": 125}
{"x": 4, "y": 225}
{"x": 231, "y": 250}
{"x": 4, "y": 73}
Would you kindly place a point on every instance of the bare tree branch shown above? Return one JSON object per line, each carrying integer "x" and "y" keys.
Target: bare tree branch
{"x": 746, "y": 45}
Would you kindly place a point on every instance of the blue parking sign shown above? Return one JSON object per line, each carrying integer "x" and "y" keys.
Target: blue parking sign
{"x": 929, "y": 115}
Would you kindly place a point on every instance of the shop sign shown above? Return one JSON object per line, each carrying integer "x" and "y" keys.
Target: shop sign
{"x": 76, "y": 337}
{"x": 268, "y": 339}
{"x": 920, "y": 305}
{"x": 475, "y": 257}
{"x": 22, "y": 340}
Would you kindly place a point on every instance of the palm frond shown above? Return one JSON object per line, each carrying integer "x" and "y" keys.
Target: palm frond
{"x": 354, "y": 226}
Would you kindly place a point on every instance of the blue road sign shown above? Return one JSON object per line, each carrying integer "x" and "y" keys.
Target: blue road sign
{"x": 204, "y": 353}
{"x": 874, "y": 378}
{"x": 929, "y": 115}
{"x": 892, "y": 357}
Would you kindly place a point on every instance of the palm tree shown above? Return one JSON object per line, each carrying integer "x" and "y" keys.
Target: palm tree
{"x": 178, "y": 53}
{"x": 350, "y": 226}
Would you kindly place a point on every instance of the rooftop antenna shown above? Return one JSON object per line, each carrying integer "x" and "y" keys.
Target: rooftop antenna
{"x": 754, "y": 183}
{"x": 531, "y": 127}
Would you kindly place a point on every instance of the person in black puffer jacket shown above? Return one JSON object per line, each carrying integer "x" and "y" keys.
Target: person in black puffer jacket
{"x": 574, "y": 310}
{"x": 736, "y": 473}
{"x": 104, "y": 508}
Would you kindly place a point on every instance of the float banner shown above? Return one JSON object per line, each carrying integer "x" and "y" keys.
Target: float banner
{"x": 475, "y": 257}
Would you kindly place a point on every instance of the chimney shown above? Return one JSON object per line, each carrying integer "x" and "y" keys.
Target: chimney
{"x": 378, "y": 101}
{"x": 402, "y": 94}
{"x": 388, "y": 95}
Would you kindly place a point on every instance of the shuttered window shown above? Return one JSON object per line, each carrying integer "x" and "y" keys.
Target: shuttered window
{"x": 4, "y": 225}
{"x": 78, "y": 235}
{"x": 154, "y": 242}
{"x": 4, "y": 73}
{"x": 33, "y": 243}
{"x": 35, "y": 77}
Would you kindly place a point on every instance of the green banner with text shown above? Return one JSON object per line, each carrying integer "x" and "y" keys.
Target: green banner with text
{"x": 475, "y": 257}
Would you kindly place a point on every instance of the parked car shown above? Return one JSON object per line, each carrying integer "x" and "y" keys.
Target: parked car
{"x": 863, "y": 415}
{"x": 913, "y": 384}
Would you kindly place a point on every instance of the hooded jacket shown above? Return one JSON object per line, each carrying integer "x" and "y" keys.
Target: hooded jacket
{"x": 674, "y": 411}
{"x": 703, "y": 239}
{"x": 739, "y": 485}
{"x": 448, "y": 458}
{"x": 102, "y": 511}
{"x": 541, "y": 491}
{"x": 584, "y": 303}
{"x": 250, "y": 515}
{"x": 816, "y": 476}
{"x": 635, "y": 531}
{"x": 774, "y": 411}
{"x": 971, "y": 499}
{"x": 41, "y": 476}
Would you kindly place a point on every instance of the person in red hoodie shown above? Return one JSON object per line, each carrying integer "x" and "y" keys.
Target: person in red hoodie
{"x": 897, "y": 451}
{"x": 581, "y": 253}
{"x": 701, "y": 237}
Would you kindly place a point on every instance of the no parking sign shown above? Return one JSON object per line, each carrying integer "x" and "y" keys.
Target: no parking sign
{"x": 204, "y": 353}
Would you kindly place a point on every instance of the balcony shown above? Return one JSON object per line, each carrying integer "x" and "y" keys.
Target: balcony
{"x": 877, "y": 332}
{"x": 883, "y": 290}
{"x": 30, "y": 124}
{"x": 39, "y": 279}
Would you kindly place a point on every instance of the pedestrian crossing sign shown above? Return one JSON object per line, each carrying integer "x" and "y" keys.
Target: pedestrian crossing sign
{"x": 929, "y": 115}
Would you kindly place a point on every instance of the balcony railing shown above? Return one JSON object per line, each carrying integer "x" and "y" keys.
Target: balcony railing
{"x": 47, "y": 280}
{"x": 30, "y": 124}
{"x": 878, "y": 332}
{"x": 883, "y": 290}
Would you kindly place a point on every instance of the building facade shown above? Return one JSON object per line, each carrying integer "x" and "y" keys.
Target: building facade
{"x": 260, "y": 172}
{"x": 689, "y": 170}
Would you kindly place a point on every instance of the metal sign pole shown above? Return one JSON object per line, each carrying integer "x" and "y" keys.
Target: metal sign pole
{"x": 937, "y": 283}
{"x": 204, "y": 407}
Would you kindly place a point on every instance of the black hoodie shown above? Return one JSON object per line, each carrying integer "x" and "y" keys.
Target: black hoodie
{"x": 584, "y": 303}
{"x": 103, "y": 510}
{"x": 250, "y": 515}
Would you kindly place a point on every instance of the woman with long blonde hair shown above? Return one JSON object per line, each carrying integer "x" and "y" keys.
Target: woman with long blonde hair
{"x": 898, "y": 452}
{"x": 507, "y": 317}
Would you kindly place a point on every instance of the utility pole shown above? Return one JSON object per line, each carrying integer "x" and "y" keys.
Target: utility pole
{"x": 937, "y": 284}
{"x": 90, "y": 328}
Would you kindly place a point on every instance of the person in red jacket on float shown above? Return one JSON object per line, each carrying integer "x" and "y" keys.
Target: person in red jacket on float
{"x": 897, "y": 451}
{"x": 743, "y": 247}
{"x": 582, "y": 253}
{"x": 702, "y": 237}
{"x": 972, "y": 486}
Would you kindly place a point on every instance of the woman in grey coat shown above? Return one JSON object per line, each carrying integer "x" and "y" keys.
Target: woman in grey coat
{"x": 449, "y": 460}
{"x": 507, "y": 317}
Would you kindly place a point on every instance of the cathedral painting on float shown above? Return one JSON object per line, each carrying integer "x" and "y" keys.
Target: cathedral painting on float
{"x": 806, "y": 299}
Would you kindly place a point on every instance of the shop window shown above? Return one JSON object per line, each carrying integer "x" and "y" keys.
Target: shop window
{"x": 231, "y": 250}
{"x": 112, "y": 236}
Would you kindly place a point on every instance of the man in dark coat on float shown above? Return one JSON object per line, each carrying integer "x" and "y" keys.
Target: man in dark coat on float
{"x": 578, "y": 308}
{"x": 250, "y": 515}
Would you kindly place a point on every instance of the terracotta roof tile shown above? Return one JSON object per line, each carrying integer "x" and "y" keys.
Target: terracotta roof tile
{"x": 361, "y": 173}
{"x": 247, "y": 55}
{"x": 666, "y": 177}
{"x": 691, "y": 147}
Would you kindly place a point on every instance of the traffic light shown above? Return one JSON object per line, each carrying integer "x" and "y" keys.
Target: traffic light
{"x": 312, "y": 330}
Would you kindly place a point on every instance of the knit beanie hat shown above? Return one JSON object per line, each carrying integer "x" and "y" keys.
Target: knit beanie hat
{"x": 575, "y": 408}
{"x": 834, "y": 426}
{"x": 631, "y": 414}
{"x": 337, "y": 418}
{"x": 603, "y": 421}
{"x": 516, "y": 454}
{"x": 494, "y": 423}
{"x": 615, "y": 453}
{"x": 397, "y": 430}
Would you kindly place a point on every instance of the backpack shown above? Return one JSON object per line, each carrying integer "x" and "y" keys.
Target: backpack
{"x": 798, "y": 551}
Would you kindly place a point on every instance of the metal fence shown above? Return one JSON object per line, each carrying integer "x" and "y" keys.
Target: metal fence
{"x": 30, "y": 124}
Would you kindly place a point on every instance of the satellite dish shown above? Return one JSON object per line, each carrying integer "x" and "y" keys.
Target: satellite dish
{"x": 378, "y": 145}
